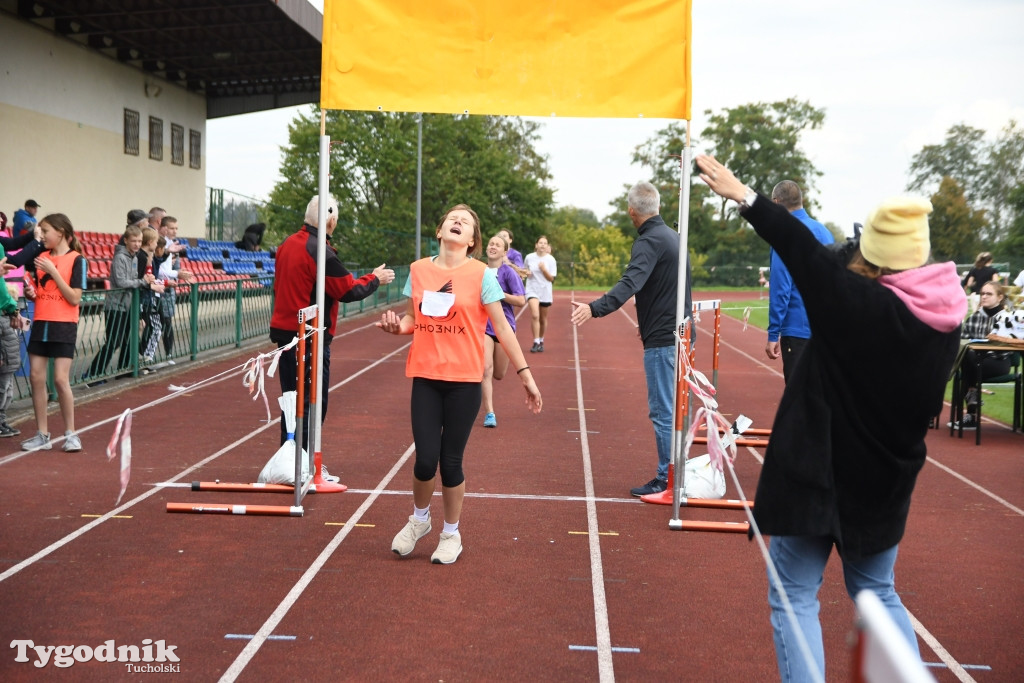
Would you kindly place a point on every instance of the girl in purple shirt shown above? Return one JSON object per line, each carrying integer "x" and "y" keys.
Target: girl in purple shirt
{"x": 496, "y": 362}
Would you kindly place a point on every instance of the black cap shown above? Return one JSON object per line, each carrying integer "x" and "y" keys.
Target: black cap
{"x": 32, "y": 204}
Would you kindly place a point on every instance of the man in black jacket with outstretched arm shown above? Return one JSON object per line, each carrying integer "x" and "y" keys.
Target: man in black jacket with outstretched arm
{"x": 652, "y": 276}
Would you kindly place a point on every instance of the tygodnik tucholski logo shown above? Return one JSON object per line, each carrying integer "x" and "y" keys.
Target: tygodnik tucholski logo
{"x": 149, "y": 657}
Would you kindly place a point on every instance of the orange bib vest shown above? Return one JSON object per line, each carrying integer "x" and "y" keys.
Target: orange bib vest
{"x": 448, "y": 347}
{"x": 51, "y": 305}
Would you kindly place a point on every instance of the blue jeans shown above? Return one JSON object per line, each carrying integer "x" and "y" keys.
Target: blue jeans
{"x": 660, "y": 368}
{"x": 800, "y": 561}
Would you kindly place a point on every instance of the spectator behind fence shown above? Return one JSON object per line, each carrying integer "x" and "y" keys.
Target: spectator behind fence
{"x": 168, "y": 267}
{"x": 295, "y": 288}
{"x": 59, "y": 275}
{"x": 252, "y": 238}
{"x": 25, "y": 219}
{"x": 124, "y": 277}
{"x": 149, "y": 298}
{"x": 20, "y": 251}
{"x": 845, "y": 452}
{"x": 11, "y": 326}
{"x": 156, "y": 216}
{"x": 788, "y": 328}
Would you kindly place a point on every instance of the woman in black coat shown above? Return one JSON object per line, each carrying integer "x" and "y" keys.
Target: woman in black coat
{"x": 845, "y": 452}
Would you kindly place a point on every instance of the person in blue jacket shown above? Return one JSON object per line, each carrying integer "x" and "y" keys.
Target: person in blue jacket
{"x": 788, "y": 329}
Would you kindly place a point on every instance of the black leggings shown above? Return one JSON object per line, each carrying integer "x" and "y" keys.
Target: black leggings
{"x": 443, "y": 414}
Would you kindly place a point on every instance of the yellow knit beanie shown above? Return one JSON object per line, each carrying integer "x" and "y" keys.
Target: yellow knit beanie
{"x": 895, "y": 234}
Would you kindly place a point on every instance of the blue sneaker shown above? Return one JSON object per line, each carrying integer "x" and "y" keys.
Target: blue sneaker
{"x": 490, "y": 421}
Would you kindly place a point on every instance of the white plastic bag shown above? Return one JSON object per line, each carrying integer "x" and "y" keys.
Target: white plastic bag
{"x": 280, "y": 469}
{"x": 702, "y": 480}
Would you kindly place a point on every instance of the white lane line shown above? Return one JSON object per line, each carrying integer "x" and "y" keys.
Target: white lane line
{"x": 605, "y": 666}
{"x": 229, "y": 374}
{"x": 56, "y": 545}
{"x": 937, "y": 648}
{"x": 593, "y": 648}
{"x": 979, "y": 487}
{"x": 265, "y": 631}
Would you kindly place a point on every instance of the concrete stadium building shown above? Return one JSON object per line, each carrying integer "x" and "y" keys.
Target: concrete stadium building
{"x": 104, "y": 103}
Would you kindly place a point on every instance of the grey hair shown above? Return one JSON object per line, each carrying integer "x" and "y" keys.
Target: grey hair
{"x": 313, "y": 210}
{"x": 644, "y": 198}
{"x": 788, "y": 194}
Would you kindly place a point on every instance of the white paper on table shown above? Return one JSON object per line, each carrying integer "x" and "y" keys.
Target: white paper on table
{"x": 437, "y": 304}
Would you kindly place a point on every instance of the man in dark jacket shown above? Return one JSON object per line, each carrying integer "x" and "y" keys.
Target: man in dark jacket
{"x": 295, "y": 288}
{"x": 652, "y": 276}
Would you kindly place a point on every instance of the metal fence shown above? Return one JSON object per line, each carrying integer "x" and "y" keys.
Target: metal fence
{"x": 207, "y": 316}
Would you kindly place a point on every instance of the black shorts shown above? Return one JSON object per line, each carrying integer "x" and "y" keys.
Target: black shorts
{"x": 51, "y": 349}
{"x": 53, "y": 339}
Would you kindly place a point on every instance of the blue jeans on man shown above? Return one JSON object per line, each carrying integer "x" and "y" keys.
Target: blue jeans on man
{"x": 660, "y": 369}
{"x": 800, "y": 562}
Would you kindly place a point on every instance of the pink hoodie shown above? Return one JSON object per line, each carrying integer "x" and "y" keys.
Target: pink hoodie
{"x": 932, "y": 293}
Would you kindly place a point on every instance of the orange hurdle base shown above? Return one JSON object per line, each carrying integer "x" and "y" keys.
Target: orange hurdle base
{"x": 225, "y": 509}
{"x": 740, "y": 441}
{"x": 665, "y": 498}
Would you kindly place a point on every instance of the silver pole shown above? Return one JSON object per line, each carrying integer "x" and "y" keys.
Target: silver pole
{"x": 682, "y": 315}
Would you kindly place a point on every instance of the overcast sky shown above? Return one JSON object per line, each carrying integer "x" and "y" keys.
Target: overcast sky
{"x": 892, "y": 76}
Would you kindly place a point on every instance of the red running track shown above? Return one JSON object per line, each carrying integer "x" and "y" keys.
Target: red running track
{"x": 564, "y": 575}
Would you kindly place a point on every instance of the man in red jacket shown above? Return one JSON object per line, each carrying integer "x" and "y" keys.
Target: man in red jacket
{"x": 295, "y": 288}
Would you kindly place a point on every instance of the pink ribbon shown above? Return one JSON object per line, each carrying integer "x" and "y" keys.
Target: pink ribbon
{"x": 121, "y": 441}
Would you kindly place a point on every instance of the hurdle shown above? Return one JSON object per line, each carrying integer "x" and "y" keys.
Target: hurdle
{"x": 308, "y": 320}
{"x": 684, "y": 332}
{"x": 672, "y": 493}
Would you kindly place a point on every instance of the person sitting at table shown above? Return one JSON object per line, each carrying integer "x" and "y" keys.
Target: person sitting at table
{"x": 993, "y": 363}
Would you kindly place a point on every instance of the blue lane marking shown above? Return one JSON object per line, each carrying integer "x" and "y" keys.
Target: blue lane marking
{"x": 593, "y": 648}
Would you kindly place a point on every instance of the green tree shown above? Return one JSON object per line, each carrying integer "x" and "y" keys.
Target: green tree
{"x": 760, "y": 143}
{"x": 487, "y": 162}
{"x": 987, "y": 171}
{"x": 958, "y": 157}
{"x": 954, "y": 225}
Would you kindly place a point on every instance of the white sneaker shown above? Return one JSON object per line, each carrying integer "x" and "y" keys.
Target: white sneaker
{"x": 413, "y": 531}
{"x": 327, "y": 476}
{"x": 39, "y": 442}
{"x": 170, "y": 362}
{"x": 72, "y": 444}
{"x": 448, "y": 548}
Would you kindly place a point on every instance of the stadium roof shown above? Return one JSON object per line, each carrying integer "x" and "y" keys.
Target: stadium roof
{"x": 243, "y": 55}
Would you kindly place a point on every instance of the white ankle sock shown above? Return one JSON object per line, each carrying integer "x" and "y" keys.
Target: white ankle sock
{"x": 421, "y": 515}
{"x": 451, "y": 528}
{"x": 537, "y": 340}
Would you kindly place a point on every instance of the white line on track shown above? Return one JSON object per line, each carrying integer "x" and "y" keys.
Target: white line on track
{"x": 56, "y": 545}
{"x": 605, "y": 667}
{"x": 265, "y": 631}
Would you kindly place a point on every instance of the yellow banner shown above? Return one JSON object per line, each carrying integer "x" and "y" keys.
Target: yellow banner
{"x": 591, "y": 58}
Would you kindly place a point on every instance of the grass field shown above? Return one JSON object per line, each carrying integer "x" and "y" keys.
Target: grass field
{"x": 998, "y": 404}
